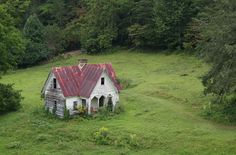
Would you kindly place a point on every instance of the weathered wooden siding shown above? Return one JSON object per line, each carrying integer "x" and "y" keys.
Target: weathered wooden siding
{"x": 50, "y": 99}
{"x": 52, "y": 95}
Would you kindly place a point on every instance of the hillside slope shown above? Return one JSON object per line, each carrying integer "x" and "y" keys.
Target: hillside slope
{"x": 162, "y": 108}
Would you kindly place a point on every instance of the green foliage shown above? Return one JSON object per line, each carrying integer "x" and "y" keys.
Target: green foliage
{"x": 171, "y": 19}
{"x": 102, "y": 136}
{"x": 140, "y": 29}
{"x": 71, "y": 35}
{"x": 103, "y": 113}
{"x": 192, "y": 35}
{"x": 119, "y": 108}
{"x": 161, "y": 23}
{"x": 82, "y": 110}
{"x": 53, "y": 36}
{"x": 66, "y": 114}
{"x": 99, "y": 27}
{"x": 138, "y": 34}
{"x": 17, "y": 9}
{"x": 36, "y": 49}
{"x": 53, "y": 11}
{"x": 224, "y": 111}
{"x": 12, "y": 44}
{"x": 130, "y": 141}
{"x": 219, "y": 47}
{"x": 10, "y": 99}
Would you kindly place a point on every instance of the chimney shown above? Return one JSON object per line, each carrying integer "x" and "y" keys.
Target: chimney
{"x": 82, "y": 62}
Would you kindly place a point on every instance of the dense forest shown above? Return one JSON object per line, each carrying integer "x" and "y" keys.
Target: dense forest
{"x": 35, "y": 30}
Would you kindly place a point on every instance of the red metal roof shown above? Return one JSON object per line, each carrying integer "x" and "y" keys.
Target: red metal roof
{"x": 76, "y": 81}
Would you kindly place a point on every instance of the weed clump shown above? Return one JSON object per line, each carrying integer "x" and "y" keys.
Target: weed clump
{"x": 130, "y": 141}
{"x": 102, "y": 136}
{"x": 105, "y": 137}
{"x": 82, "y": 110}
{"x": 66, "y": 114}
{"x": 106, "y": 112}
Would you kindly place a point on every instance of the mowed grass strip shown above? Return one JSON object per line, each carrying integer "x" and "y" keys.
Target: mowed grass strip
{"x": 162, "y": 108}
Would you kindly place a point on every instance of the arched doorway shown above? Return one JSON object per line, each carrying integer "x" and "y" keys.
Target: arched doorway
{"x": 94, "y": 104}
{"x": 110, "y": 103}
{"x": 101, "y": 101}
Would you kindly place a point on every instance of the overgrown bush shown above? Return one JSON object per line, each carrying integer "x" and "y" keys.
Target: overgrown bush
{"x": 102, "y": 136}
{"x": 105, "y": 137}
{"x": 221, "y": 110}
{"x": 107, "y": 113}
{"x": 66, "y": 114}
{"x": 130, "y": 140}
{"x": 103, "y": 113}
{"x": 10, "y": 99}
{"x": 82, "y": 110}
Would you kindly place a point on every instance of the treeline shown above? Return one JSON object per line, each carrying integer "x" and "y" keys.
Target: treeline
{"x": 50, "y": 27}
{"x": 36, "y": 30}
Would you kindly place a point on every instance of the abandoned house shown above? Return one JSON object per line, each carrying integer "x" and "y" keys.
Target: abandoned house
{"x": 90, "y": 86}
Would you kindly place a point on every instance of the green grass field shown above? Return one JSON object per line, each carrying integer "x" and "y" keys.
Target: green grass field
{"x": 163, "y": 108}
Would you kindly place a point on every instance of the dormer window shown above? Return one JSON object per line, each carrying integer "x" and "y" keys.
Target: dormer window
{"x": 54, "y": 83}
{"x": 102, "y": 81}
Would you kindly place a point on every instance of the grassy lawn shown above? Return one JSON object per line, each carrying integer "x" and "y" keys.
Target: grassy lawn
{"x": 162, "y": 108}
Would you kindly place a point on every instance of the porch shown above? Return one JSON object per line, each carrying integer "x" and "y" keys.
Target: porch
{"x": 99, "y": 102}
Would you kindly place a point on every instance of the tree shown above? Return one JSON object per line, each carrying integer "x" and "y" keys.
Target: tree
{"x": 219, "y": 47}
{"x": 17, "y": 9}
{"x": 9, "y": 99}
{"x": 161, "y": 24}
{"x": 71, "y": 35}
{"x": 11, "y": 48}
{"x": 53, "y": 12}
{"x": 36, "y": 49}
{"x": 141, "y": 32}
{"x": 54, "y": 39}
{"x": 170, "y": 21}
{"x": 99, "y": 26}
{"x": 12, "y": 44}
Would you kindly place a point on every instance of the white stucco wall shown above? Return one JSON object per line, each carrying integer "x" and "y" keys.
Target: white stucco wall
{"x": 70, "y": 102}
{"x": 108, "y": 89}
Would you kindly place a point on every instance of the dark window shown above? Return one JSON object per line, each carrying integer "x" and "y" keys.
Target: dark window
{"x": 54, "y": 83}
{"x": 55, "y": 105}
{"x": 84, "y": 103}
{"x": 102, "y": 81}
{"x": 75, "y": 104}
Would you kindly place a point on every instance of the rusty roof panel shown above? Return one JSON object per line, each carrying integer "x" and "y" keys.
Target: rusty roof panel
{"x": 75, "y": 81}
